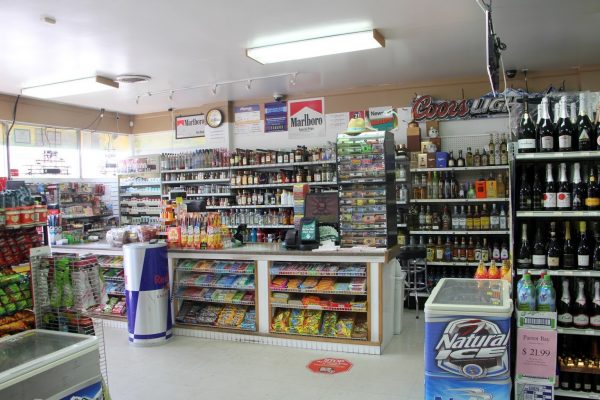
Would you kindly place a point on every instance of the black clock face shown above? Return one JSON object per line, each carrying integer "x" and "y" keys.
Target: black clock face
{"x": 214, "y": 118}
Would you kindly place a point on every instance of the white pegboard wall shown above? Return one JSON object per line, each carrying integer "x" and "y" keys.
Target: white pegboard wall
{"x": 474, "y": 133}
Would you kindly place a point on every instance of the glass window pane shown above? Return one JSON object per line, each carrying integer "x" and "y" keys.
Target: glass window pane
{"x": 100, "y": 153}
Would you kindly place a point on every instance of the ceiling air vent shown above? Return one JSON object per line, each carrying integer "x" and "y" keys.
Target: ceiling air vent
{"x": 132, "y": 78}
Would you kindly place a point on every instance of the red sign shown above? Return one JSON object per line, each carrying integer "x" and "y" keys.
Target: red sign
{"x": 14, "y": 172}
{"x": 425, "y": 108}
{"x": 329, "y": 365}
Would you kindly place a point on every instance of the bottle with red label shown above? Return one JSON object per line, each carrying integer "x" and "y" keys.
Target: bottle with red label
{"x": 563, "y": 196}
{"x": 549, "y": 199}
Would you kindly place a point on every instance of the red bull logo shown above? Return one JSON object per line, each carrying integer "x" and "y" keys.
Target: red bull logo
{"x": 161, "y": 280}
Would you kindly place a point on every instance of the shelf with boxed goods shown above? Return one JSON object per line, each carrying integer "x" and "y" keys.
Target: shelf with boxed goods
{"x": 216, "y": 294}
{"x": 319, "y": 299}
{"x": 366, "y": 164}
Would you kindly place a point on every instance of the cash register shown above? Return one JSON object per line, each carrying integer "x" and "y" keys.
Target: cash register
{"x": 320, "y": 210}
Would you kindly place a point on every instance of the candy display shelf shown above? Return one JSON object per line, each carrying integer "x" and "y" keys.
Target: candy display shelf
{"x": 315, "y": 307}
{"x": 317, "y": 291}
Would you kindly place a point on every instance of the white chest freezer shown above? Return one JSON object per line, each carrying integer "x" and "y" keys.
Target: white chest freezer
{"x": 41, "y": 364}
{"x": 467, "y": 339}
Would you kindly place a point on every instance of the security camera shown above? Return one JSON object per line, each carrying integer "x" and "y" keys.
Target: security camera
{"x": 278, "y": 96}
{"x": 511, "y": 73}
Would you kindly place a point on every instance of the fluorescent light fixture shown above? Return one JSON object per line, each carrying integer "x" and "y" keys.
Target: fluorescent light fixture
{"x": 323, "y": 46}
{"x": 69, "y": 88}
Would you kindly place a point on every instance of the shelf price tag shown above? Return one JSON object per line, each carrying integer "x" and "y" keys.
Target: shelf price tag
{"x": 536, "y": 354}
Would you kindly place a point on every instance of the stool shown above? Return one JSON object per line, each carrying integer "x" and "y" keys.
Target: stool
{"x": 413, "y": 259}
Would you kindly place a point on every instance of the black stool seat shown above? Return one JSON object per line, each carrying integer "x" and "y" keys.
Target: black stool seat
{"x": 412, "y": 252}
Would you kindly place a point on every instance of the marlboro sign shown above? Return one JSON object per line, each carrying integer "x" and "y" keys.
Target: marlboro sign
{"x": 306, "y": 118}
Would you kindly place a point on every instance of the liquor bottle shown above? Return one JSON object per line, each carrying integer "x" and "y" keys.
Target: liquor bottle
{"x": 494, "y": 219}
{"x": 500, "y": 186}
{"x": 469, "y": 157}
{"x": 422, "y": 223}
{"x": 597, "y": 129}
{"x": 454, "y": 219}
{"x": 478, "y": 250}
{"x": 491, "y": 151}
{"x": 476, "y": 219}
{"x": 584, "y": 126}
{"x": 469, "y": 219}
{"x": 455, "y": 248}
{"x": 595, "y": 307}
{"x": 448, "y": 187}
{"x": 429, "y": 186}
{"x": 537, "y": 192}
{"x": 525, "y": 193}
{"x": 454, "y": 187}
{"x": 460, "y": 162}
{"x": 526, "y": 295}
{"x": 579, "y": 193}
{"x": 428, "y": 218}
{"x": 462, "y": 219}
{"x": 504, "y": 251}
{"x": 435, "y": 186}
{"x": 581, "y": 319}
{"x": 538, "y": 257}
{"x": 451, "y": 160}
{"x": 564, "y": 128}
{"x": 446, "y": 219}
{"x": 596, "y": 265}
{"x": 524, "y": 257}
{"x": 497, "y": 151}
{"x": 527, "y": 131}
{"x": 563, "y": 195}
{"x": 484, "y": 218}
{"x": 503, "y": 219}
{"x": 503, "y": 151}
{"x": 448, "y": 249}
{"x": 592, "y": 201}
{"x": 553, "y": 252}
{"x": 477, "y": 159}
{"x": 485, "y": 159}
{"x": 569, "y": 249}
{"x": 564, "y": 307}
{"x": 546, "y": 131}
{"x": 583, "y": 250}
{"x": 496, "y": 252}
{"x": 471, "y": 250}
{"x": 485, "y": 251}
{"x": 430, "y": 249}
{"x": 549, "y": 190}
{"x": 441, "y": 183}
{"x": 462, "y": 250}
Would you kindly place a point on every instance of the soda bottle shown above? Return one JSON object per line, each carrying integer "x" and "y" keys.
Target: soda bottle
{"x": 481, "y": 272}
{"x": 526, "y": 297}
{"x": 493, "y": 271}
{"x": 546, "y": 296}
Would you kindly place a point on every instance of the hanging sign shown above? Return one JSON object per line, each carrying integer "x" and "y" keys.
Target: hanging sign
{"x": 306, "y": 118}
{"x": 189, "y": 126}
{"x": 247, "y": 119}
{"x": 426, "y": 108}
{"x": 276, "y": 116}
{"x": 382, "y": 118}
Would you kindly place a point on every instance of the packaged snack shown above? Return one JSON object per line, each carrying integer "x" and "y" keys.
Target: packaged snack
{"x": 209, "y": 315}
{"x": 328, "y": 324}
{"x": 296, "y": 321}
{"x": 344, "y": 326}
{"x": 309, "y": 283}
{"x": 295, "y": 282}
{"x": 360, "y": 329}
{"x": 311, "y": 300}
{"x": 280, "y": 321}
{"x": 312, "y": 320}
{"x": 249, "y": 320}
{"x": 279, "y": 282}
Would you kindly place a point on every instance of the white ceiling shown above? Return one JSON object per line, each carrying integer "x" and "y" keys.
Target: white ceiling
{"x": 190, "y": 42}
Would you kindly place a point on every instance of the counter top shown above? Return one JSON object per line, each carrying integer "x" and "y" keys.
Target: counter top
{"x": 263, "y": 251}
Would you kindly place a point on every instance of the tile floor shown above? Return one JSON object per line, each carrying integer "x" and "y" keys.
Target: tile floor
{"x": 192, "y": 368}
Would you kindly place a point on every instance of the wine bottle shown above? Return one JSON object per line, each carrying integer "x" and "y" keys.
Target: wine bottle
{"x": 584, "y": 126}
{"x": 554, "y": 250}
{"x": 524, "y": 258}
{"x": 596, "y": 145}
{"x": 451, "y": 160}
{"x": 460, "y": 162}
{"x": 564, "y": 307}
{"x": 525, "y": 193}
{"x": 596, "y": 265}
{"x": 583, "y": 250}
{"x": 581, "y": 319}
{"x": 595, "y": 307}
{"x": 491, "y": 151}
{"x": 592, "y": 201}
{"x": 546, "y": 130}
{"x": 563, "y": 196}
{"x": 569, "y": 249}
{"x": 564, "y": 127}
{"x": 538, "y": 258}
{"x": 549, "y": 190}
{"x": 579, "y": 193}
{"x": 537, "y": 192}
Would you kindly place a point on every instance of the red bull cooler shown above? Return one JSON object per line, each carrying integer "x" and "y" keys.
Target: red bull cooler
{"x": 467, "y": 340}
{"x": 147, "y": 293}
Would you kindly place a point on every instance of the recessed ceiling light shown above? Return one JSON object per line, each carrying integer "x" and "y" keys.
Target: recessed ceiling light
{"x": 71, "y": 87}
{"x": 48, "y": 19}
{"x": 132, "y": 78}
{"x": 317, "y": 47}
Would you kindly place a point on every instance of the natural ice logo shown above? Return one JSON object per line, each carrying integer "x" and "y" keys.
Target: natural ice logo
{"x": 473, "y": 348}
{"x": 468, "y": 394}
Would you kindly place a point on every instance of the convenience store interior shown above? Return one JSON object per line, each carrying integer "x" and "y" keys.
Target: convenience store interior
{"x": 292, "y": 211}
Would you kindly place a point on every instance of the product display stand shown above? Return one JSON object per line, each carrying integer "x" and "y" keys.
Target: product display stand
{"x": 139, "y": 181}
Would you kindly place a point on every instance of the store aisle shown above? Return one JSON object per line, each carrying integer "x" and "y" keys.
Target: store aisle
{"x": 192, "y": 368}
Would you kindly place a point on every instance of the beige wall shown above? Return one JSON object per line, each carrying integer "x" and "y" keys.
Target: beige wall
{"x": 40, "y": 112}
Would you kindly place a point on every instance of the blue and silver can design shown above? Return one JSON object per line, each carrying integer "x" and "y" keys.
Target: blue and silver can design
{"x": 437, "y": 388}
{"x": 147, "y": 293}
{"x": 467, "y": 347}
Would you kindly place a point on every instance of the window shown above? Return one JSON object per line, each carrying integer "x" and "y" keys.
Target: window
{"x": 100, "y": 153}
{"x": 44, "y": 152}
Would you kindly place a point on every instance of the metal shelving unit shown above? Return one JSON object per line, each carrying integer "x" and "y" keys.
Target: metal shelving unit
{"x": 574, "y": 394}
{"x": 440, "y": 232}
{"x": 462, "y": 201}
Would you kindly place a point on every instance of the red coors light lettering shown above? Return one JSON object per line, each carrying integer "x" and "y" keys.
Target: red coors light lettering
{"x": 425, "y": 108}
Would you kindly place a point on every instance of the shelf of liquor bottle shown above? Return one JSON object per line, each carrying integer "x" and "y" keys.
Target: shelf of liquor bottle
{"x": 574, "y": 394}
{"x": 257, "y": 206}
{"x": 167, "y": 171}
{"x": 133, "y": 203}
{"x": 558, "y": 155}
{"x": 484, "y": 168}
{"x": 166, "y": 196}
{"x": 141, "y": 173}
{"x": 263, "y": 226}
{"x": 577, "y": 331}
{"x": 278, "y": 185}
{"x": 401, "y": 181}
{"x": 402, "y": 203}
{"x": 561, "y": 272}
{"x": 139, "y": 184}
{"x": 463, "y": 201}
{"x": 283, "y": 165}
{"x": 142, "y": 194}
{"x": 460, "y": 232}
{"x": 197, "y": 182}
{"x": 558, "y": 214}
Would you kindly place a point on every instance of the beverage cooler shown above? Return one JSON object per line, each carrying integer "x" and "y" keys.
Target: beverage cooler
{"x": 467, "y": 334}
{"x": 40, "y": 364}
